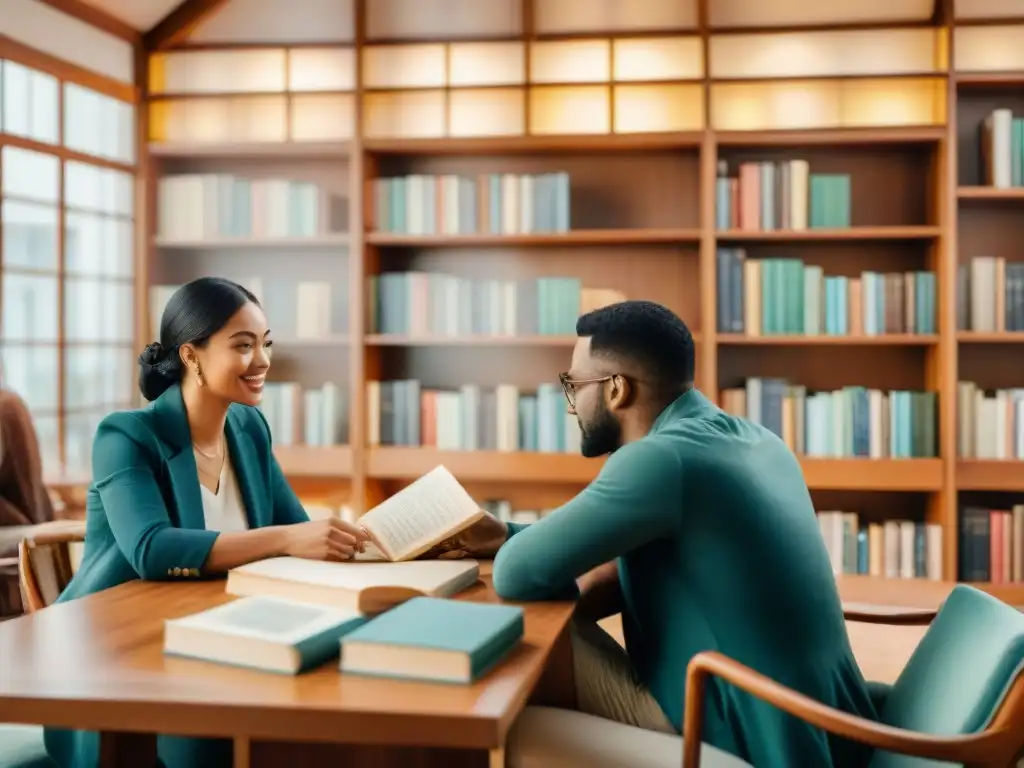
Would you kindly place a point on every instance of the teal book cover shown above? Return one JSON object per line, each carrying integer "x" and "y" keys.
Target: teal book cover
{"x": 434, "y": 639}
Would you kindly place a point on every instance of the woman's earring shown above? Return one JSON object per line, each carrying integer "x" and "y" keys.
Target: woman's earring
{"x": 199, "y": 376}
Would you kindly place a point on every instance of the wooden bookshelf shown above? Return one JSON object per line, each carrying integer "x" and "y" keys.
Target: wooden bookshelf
{"x": 638, "y": 104}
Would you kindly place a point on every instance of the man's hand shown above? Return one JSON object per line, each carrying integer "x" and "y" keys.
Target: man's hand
{"x": 482, "y": 539}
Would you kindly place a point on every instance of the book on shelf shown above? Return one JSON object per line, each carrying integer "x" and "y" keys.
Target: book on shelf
{"x": 472, "y": 418}
{"x": 853, "y": 422}
{"x": 768, "y": 196}
{"x": 773, "y": 297}
{"x": 503, "y": 510}
{"x": 212, "y": 206}
{"x": 990, "y": 425}
{"x": 305, "y": 416}
{"x": 435, "y": 640}
{"x": 894, "y": 549}
{"x": 490, "y": 203}
{"x": 1001, "y": 144}
{"x": 312, "y": 306}
{"x": 435, "y": 304}
{"x": 990, "y": 295}
{"x": 992, "y": 544}
{"x": 264, "y": 633}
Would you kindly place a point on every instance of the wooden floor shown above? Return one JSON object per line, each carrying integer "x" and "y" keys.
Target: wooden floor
{"x": 881, "y": 651}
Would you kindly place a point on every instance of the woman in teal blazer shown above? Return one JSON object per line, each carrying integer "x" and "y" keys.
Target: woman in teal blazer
{"x": 188, "y": 487}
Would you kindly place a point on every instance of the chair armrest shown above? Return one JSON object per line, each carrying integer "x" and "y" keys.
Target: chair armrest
{"x": 979, "y": 748}
{"x": 892, "y": 615}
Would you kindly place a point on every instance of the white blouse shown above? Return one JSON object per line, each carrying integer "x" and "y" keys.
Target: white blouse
{"x": 224, "y": 510}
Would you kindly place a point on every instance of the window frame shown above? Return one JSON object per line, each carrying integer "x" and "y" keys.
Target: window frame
{"x": 67, "y": 73}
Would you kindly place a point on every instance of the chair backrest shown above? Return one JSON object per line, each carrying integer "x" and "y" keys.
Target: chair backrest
{"x": 46, "y": 563}
{"x": 965, "y": 677}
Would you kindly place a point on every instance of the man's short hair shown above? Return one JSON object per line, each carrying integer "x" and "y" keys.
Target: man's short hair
{"x": 647, "y": 334}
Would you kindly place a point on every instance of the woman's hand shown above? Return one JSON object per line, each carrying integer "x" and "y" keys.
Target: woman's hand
{"x": 482, "y": 539}
{"x": 330, "y": 539}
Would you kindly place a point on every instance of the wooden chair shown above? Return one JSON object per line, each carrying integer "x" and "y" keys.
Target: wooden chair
{"x": 960, "y": 698}
{"x": 47, "y": 560}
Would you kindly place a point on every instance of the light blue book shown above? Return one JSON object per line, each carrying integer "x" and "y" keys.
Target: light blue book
{"x": 265, "y": 633}
{"x": 427, "y": 638}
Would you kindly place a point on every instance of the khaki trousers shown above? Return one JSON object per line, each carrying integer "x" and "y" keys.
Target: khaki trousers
{"x": 606, "y": 682}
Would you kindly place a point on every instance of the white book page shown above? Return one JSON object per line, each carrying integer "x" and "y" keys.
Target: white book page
{"x": 424, "y": 575}
{"x": 416, "y": 518}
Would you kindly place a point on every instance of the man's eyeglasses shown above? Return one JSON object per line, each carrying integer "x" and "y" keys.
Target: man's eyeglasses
{"x": 569, "y": 385}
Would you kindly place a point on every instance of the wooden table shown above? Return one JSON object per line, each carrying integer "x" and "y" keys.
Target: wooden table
{"x": 97, "y": 664}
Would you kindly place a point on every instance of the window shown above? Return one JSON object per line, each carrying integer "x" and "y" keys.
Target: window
{"x": 67, "y": 280}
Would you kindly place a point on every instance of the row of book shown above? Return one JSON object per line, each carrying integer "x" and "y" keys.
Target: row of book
{"x": 493, "y": 203}
{"x": 204, "y": 206}
{"x": 312, "y": 304}
{"x": 298, "y": 416}
{"x": 435, "y": 304}
{"x": 846, "y": 423}
{"x": 1002, "y": 149}
{"x": 766, "y": 196}
{"x": 990, "y": 295}
{"x": 894, "y": 549}
{"x": 471, "y": 418}
{"x": 991, "y": 544}
{"x": 773, "y": 297}
{"x": 990, "y": 425}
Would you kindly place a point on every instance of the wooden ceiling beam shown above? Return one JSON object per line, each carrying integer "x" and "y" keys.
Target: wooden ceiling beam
{"x": 97, "y": 18}
{"x": 177, "y": 25}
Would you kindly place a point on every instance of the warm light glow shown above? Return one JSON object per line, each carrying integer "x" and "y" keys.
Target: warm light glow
{"x": 236, "y": 119}
{"x": 988, "y": 9}
{"x": 442, "y": 19}
{"x": 321, "y": 69}
{"x": 570, "y": 61}
{"x": 412, "y": 114}
{"x": 612, "y": 16}
{"x": 837, "y": 104}
{"x": 567, "y": 110}
{"x": 656, "y": 108}
{"x": 658, "y": 58}
{"x": 403, "y": 66}
{"x": 486, "y": 64}
{"x": 224, "y": 71}
{"x": 816, "y": 54}
{"x": 989, "y": 49}
{"x": 487, "y": 112}
{"x": 826, "y": 13}
{"x": 322, "y": 117}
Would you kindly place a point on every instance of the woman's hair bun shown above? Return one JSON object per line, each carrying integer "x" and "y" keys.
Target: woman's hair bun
{"x": 158, "y": 370}
{"x": 153, "y": 354}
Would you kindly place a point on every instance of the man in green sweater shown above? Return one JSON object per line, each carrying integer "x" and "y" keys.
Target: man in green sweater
{"x": 700, "y": 530}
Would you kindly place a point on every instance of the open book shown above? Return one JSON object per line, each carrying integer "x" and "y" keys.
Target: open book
{"x": 423, "y": 514}
{"x": 430, "y": 510}
{"x": 360, "y": 586}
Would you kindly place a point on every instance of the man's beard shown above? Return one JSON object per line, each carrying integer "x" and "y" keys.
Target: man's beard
{"x": 601, "y": 436}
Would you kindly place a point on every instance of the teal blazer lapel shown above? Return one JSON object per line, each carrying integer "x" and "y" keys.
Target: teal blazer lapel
{"x": 246, "y": 463}
{"x": 181, "y": 464}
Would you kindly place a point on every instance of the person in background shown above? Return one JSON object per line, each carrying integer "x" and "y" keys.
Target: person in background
{"x": 699, "y": 529}
{"x": 188, "y": 486}
{"x": 24, "y": 498}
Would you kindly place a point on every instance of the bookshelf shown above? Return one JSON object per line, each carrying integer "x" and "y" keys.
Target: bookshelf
{"x": 804, "y": 190}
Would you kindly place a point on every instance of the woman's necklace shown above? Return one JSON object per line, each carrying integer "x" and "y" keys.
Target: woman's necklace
{"x": 212, "y": 456}
{"x": 214, "y": 461}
